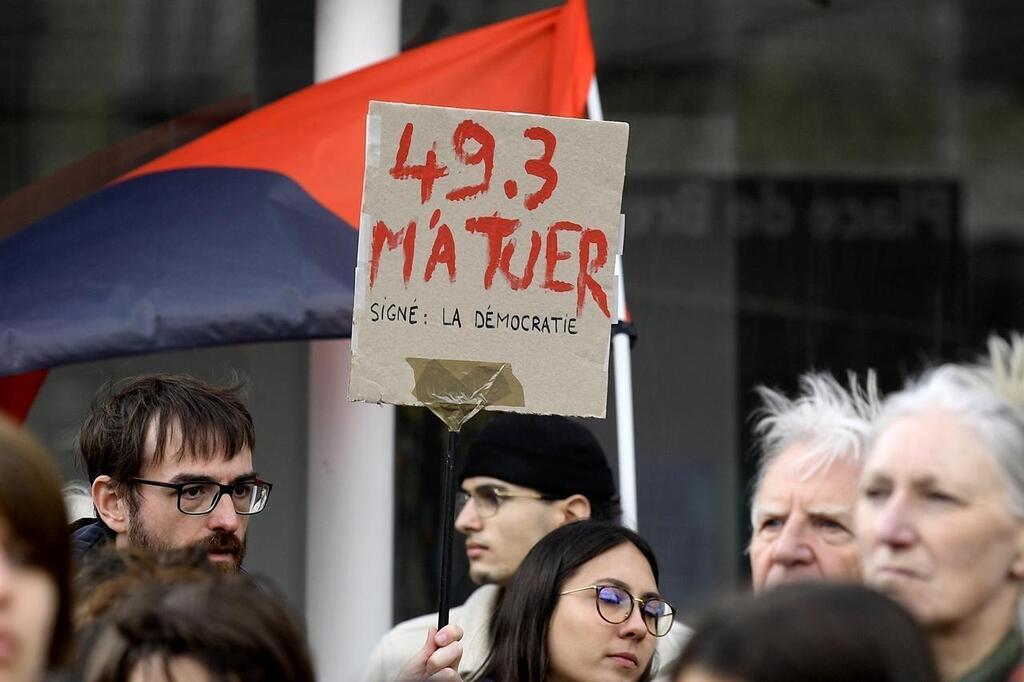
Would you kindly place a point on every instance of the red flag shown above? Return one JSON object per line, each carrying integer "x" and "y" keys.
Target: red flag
{"x": 540, "y": 63}
{"x": 248, "y": 202}
{"x": 18, "y": 392}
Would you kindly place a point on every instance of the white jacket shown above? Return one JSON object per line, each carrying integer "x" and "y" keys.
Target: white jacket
{"x": 474, "y": 617}
{"x": 405, "y": 639}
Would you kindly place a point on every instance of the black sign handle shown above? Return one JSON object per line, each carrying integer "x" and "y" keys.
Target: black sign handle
{"x": 447, "y": 528}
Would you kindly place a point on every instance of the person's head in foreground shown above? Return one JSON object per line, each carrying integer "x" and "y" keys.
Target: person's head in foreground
{"x": 35, "y": 592}
{"x": 524, "y": 476}
{"x": 139, "y": 620}
{"x": 810, "y": 632}
{"x": 222, "y": 628}
{"x": 805, "y": 490}
{"x": 112, "y": 576}
{"x": 584, "y": 606}
{"x": 941, "y": 513}
{"x": 170, "y": 461}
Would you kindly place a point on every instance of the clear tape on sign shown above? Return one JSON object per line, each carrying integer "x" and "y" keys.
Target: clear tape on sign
{"x": 455, "y": 390}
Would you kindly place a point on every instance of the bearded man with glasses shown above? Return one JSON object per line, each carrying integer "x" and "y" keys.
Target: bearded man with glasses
{"x": 169, "y": 458}
{"x": 524, "y": 476}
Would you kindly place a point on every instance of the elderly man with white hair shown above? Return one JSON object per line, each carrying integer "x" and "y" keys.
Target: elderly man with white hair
{"x": 802, "y": 507}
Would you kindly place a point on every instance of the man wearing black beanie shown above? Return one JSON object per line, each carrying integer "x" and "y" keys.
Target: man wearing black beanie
{"x": 524, "y": 476}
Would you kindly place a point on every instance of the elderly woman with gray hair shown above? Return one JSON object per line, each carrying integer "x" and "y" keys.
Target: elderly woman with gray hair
{"x": 940, "y": 515}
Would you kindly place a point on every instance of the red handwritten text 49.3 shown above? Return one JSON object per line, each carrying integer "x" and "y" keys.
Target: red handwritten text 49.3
{"x": 592, "y": 244}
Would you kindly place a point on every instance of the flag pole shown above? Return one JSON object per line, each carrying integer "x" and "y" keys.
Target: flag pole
{"x": 621, "y": 343}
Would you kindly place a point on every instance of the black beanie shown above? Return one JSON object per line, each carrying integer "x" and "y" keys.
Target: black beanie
{"x": 553, "y": 455}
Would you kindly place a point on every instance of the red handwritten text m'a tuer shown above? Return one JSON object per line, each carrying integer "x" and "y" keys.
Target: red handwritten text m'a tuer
{"x": 592, "y": 250}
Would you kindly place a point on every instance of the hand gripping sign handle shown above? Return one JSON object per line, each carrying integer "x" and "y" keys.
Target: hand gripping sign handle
{"x": 447, "y": 526}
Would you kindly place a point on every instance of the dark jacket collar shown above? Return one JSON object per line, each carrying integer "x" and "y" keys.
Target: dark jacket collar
{"x": 87, "y": 535}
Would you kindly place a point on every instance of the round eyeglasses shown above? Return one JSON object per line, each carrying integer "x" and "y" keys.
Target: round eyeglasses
{"x": 201, "y": 497}
{"x": 615, "y": 605}
{"x": 488, "y": 498}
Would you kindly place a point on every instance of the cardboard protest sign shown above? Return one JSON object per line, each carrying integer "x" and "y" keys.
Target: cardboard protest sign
{"x": 487, "y": 247}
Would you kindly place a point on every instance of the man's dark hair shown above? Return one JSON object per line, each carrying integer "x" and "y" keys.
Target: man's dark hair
{"x": 521, "y": 624}
{"x": 212, "y": 421}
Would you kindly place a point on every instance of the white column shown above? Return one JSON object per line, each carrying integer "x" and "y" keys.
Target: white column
{"x": 349, "y": 527}
{"x": 351, "y": 34}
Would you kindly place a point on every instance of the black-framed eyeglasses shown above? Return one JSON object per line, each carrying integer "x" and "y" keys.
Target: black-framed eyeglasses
{"x": 201, "y": 497}
{"x": 615, "y": 605}
{"x": 488, "y": 498}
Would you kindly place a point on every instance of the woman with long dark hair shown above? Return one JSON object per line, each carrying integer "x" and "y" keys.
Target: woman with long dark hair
{"x": 584, "y": 605}
{"x": 35, "y": 584}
